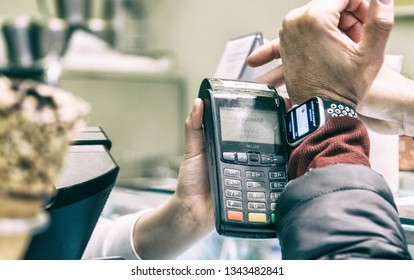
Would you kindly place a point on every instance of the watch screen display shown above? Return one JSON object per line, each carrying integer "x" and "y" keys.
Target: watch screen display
{"x": 303, "y": 120}
{"x": 258, "y": 126}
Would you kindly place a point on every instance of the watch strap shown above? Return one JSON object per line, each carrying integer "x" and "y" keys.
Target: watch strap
{"x": 338, "y": 109}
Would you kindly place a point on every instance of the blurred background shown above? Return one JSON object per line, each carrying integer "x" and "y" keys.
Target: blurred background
{"x": 139, "y": 63}
{"x": 142, "y": 83}
{"x": 142, "y": 77}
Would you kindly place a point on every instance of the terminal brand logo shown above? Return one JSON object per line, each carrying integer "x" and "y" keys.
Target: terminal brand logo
{"x": 252, "y": 146}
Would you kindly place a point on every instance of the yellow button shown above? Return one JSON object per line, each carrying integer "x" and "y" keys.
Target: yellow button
{"x": 257, "y": 217}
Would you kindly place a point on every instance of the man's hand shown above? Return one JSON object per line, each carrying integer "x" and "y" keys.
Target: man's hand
{"x": 330, "y": 48}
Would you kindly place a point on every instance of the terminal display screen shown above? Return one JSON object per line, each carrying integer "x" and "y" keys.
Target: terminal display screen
{"x": 258, "y": 126}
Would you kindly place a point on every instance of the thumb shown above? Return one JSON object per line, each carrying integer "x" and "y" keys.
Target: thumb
{"x": 194, "y": 140}
{"x": 378, "y": 26}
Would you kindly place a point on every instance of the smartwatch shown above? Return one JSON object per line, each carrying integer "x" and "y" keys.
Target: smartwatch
{"x": 306, "y": 118}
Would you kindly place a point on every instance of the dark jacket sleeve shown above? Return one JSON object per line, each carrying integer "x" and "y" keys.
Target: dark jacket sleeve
{"x": 336, "y": 206}
{"x": 339, "y": 212}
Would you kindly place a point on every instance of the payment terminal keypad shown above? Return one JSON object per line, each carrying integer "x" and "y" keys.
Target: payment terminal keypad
{"x": 251, "y": 192}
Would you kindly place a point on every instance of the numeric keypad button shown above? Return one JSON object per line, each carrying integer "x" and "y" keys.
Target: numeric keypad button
{"x": 232, "y": 172}
{"x": 234, "y": 194}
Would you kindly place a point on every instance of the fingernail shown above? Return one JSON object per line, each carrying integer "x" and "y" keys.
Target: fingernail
{"x": 385, "y": 2}
{"x": 194, "y": 108}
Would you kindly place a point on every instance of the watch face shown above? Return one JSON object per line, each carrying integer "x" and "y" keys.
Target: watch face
{"x": 303, "y": 120}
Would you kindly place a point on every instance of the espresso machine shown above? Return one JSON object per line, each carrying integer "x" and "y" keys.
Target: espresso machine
{"x": 34, "y": 48}
{"x": 34, "y": 45}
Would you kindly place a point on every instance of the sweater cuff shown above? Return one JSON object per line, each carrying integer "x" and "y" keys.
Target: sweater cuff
{"x": 341, "y": 140}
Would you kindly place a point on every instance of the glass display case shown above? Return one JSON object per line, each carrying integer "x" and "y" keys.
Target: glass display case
{"x": 132, "y": 196}
{"x": 142, "y": 113}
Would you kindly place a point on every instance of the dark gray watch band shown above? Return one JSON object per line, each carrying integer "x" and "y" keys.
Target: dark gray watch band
{"x": 338, "y": 109}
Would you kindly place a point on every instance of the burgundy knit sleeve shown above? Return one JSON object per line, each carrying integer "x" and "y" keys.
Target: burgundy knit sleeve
{"x": 340, "y": 140}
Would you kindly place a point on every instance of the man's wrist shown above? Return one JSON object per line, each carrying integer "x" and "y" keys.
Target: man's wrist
{"x": 341, "y": 140}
